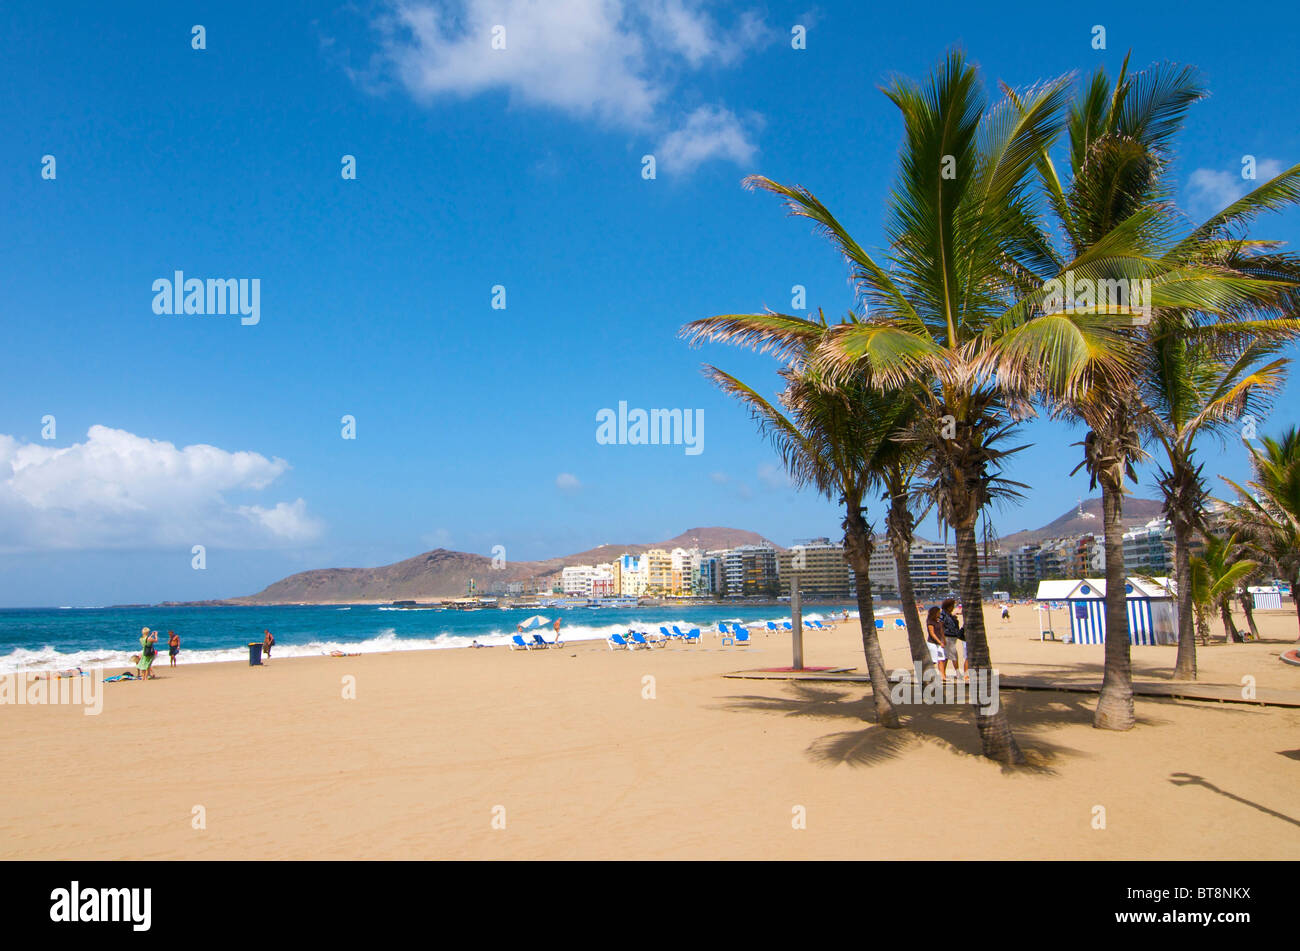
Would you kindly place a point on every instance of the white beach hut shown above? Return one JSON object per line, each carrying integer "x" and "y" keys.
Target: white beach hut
{"x": 1152, "y": 608}
{"x": 1267, "y": 597}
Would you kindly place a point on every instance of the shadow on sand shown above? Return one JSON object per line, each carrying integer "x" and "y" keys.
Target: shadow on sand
{"x": 1191, "y": 779}
{"x": 1033, "y": 714}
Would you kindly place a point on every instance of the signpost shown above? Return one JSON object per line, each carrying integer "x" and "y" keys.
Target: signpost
{"x": 796, "y": 621}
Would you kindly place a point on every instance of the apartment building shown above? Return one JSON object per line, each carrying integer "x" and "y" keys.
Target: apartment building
{"x": 823, "y": 572}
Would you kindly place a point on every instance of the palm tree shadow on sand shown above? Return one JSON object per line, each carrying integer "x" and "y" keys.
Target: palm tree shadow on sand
{"x": 1191, "y": 779}
{"x": 948, "y": 726}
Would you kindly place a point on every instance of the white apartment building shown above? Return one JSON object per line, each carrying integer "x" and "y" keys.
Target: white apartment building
{"x": 584, "y": 580}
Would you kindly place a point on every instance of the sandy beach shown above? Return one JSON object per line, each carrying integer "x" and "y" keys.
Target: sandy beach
{"x": 439, "y": 748}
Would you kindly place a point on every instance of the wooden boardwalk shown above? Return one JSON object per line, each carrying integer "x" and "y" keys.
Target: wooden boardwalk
{"x": 1175, "y": 690}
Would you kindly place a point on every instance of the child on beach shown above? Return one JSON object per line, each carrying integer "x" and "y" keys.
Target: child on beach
{"x": 267, "y": 644}
{"x": 173, "y": 646}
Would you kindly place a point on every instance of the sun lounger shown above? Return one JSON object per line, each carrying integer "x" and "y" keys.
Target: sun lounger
{"x": 880, "y": 624}
{"x": 692, "y": 636}
{"x": 638, "y": 640}
{"x": 742, "y": 637}
{"x": 667, "y": 633}
{"x": 900, "y": 623}
{"x": 771, "y": 625}
{"x": 519, "y": 644}
{"x": 540, "y": 642}
{"x": 739, "y": 629}
{"x": 617, "y": 643}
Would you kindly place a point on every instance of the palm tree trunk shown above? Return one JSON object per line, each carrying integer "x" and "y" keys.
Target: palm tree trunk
{"x": 1185, "y": 666}
{"x": 1115, "y": 706}
{"x": 857, "y": 548}
{"x": 915, "y": 633}
{"x": 1295, "y": 595}
{"x": 996, "y": 738}
{"x": 1248, "y": 607}
{"x": 1229, "y": 629}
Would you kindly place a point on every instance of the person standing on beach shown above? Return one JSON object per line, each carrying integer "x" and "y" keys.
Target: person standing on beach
{"x": 173, "y": 646}
{"x": 557, "y": 632}
{"x": 952, "y": 633}
{"x": 267, "y": 643}
{"x": 934, "y": 640}
{"x": 148, "y": 651}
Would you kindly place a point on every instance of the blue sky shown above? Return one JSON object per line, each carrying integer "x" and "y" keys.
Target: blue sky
{"x": 475, "y": 426}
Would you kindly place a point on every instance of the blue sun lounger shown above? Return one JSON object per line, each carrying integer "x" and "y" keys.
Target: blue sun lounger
{"x": 880, "y": 624}
{"x": 787, "y": 625}
{"x": 742, "y": 636}
{"x": 617, "y": 643}
{"x": 692, "y": 636}
{"x": 771, "y": 625}
{"x": 638, "y": 640}
{"x": 519, "y": 644}
{"x": 900, "y": 623}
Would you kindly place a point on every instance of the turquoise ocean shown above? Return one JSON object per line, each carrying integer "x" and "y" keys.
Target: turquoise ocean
{"x": 57, "y": 638}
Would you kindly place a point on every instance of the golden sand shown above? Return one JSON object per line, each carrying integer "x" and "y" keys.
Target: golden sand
{"x": 564, "y": 749}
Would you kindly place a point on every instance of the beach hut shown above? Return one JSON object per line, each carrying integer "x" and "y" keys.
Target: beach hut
{"x": 1152, "y": 608}
{"x": 1267, "y": 597}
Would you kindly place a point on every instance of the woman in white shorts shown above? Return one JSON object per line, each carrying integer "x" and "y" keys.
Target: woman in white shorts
{"x": 934, "y": 640}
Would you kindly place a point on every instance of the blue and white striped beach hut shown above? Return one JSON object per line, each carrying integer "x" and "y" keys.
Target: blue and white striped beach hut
{"x": 1152, "y": 609}
{"x": 1267, "y": 597}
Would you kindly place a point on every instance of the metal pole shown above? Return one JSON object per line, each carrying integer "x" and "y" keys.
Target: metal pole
{"x": 796, "y": 621}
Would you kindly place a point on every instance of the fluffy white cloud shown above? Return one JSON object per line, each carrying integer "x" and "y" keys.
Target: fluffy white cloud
{"x": 617, "y": 61}
{"x": 567, "y": 482}
{"x": 710, "y": 132}
{"x": 119, "y": 490}
{"x": 1210, "y": 190}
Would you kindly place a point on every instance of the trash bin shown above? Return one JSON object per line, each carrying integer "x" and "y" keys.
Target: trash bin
{"x": 255, "y": 654}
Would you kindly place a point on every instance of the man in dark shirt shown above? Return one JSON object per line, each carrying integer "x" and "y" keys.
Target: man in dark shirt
{"x": 954, "y": 634}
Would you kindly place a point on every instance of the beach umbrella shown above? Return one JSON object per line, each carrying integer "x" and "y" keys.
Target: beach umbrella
{"x": 535, "y": 621}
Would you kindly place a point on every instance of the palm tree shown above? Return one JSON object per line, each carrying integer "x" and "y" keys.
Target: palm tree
{"x": 897, "y": 473}
{"x": 1119, "y": 226}
{"x": 833, "y": 439}
{"x": 1194, "y": 386}
{"x": 1267, "y": 511}
{"x": 1215, "y": 576}
{"x": 965, "y": 245}
{"x": 890, "y": 459}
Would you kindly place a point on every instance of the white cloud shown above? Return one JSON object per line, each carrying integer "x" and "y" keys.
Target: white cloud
{"x": 774, "y": 477}
{"x": 719, "y": 478}
{"x": 567, "y": 482}
{"x": 119, "y": 490}
{"x": 709, "y": 133}
{"x": 1210, "y": 190}
{"x": 616, "y": 61}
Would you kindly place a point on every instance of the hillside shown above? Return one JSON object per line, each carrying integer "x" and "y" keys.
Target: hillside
{"x": 1137, "y": 512}
{"x": 444, "y": 574}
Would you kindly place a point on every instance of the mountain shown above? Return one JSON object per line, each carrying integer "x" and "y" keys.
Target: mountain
{"x": 1137, "y": 512}
{"x": 445, "y": 574}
